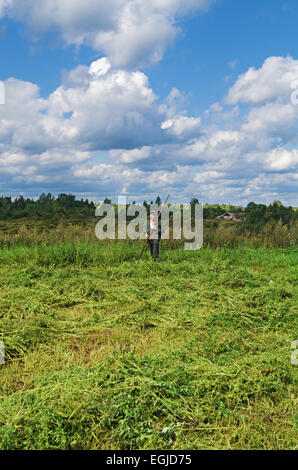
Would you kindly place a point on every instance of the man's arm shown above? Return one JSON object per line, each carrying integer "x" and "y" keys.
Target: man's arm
{"x": 145, "y": 229}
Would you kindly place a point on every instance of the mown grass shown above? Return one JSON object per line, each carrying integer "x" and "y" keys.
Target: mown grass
{"x": 107, "y": 352}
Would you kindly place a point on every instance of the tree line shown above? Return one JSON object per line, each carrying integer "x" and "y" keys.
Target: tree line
{"x": 48, "y": 207}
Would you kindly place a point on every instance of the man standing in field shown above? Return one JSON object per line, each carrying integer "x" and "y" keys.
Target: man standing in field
{"x": 153, "y": 234}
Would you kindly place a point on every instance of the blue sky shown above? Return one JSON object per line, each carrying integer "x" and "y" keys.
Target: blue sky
{"x": 188, "y": 97}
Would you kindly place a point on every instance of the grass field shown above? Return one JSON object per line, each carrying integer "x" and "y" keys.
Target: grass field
{"x": 105, "y": 352}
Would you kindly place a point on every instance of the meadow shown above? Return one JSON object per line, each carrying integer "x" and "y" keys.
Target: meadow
{"x": 107, "y": 352}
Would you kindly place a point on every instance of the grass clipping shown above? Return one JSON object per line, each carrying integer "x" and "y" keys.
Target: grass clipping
{"x": 104, "y": 352}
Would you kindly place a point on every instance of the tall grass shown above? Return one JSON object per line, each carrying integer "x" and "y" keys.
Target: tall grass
{"x": 215, "y": 235}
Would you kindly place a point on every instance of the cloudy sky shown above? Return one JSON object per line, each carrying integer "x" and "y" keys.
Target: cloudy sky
{"x": 196, "y": 98}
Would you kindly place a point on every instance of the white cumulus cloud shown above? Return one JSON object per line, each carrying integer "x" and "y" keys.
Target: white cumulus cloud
{"x": 104, "y": 127}
{"x": 132, "y": 33}
{"x": 273, "y": 79}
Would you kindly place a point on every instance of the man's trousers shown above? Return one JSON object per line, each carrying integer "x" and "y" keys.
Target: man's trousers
{"x": 154, "y": 248}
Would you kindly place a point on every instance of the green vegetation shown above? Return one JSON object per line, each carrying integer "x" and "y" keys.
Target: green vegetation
{"x": 217, "y": 234}
{"x": 46, "y": 208}
{"x": 51, "y": 210}
{"x": 105, "y": 352}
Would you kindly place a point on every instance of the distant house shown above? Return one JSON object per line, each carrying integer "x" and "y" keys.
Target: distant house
{"x": 226, "y": 216}
{"x": 231, "y": 216}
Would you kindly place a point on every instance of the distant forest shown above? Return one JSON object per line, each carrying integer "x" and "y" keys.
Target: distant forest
{"x": 66, "y": 206}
